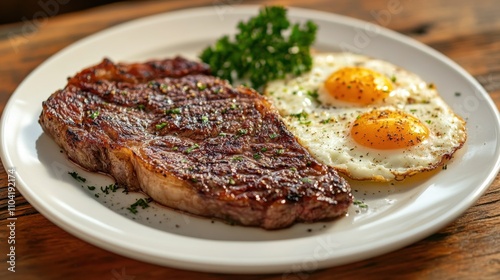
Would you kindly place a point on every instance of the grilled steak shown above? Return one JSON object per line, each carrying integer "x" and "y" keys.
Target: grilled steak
{"x": 192, "y": 142}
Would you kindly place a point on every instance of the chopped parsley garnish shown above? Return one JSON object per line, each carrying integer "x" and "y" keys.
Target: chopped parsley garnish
{"x": 139, "y": 203}
{"x": 141, "y": 107}
{"x": 393, "y": 78}
{"x": 280, "y": 151}
{"x": 266, "y": 47}
{"x": 173, "y": 111}
{"x": 257, "y": 156}
{"x": 360, "y": 204}
{"x": 313, "y": 94}
{"x": 302, "y": 117}
{"x": 77, "y": 177}
{"x": 192, "y": 148}
{"x": 161, "y": 125}
{"x": 273, "y": 135}
{"x": 237, "y": 158}
{"x": 201, "y": 86}
{"x": 264, "y": 149}
{"x": 217, "y": 90}
{"x": 104, "y": 189}
{"x": 164, "y": 88}
{"x": 242, "y": 131}
{"x": 204, "y": 119}
{"x": 93, "y": 115}
{"x": 108, "y": 188}
{"x": 231, "y": 181}
{"x": 325, "y": 121}
{"x": 306, "y": 180}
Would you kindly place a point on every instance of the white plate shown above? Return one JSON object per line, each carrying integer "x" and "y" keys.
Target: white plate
{"x": 397, "y": 215}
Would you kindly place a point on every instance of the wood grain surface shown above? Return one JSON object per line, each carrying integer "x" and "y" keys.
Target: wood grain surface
{"x": 469, "y": 248}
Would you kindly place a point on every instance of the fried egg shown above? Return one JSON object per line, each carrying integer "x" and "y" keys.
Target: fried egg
{"x": 368, "y": 118}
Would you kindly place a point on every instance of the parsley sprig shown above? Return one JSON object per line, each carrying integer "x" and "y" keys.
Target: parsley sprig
{"x": 261, "y": 51}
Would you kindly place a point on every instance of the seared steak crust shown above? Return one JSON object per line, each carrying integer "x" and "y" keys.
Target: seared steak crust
{"x": 192, "y": 142}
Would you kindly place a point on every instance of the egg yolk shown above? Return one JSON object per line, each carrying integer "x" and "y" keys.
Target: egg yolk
{"x": 358, "y": 85}
{"x": 388, "y": 130}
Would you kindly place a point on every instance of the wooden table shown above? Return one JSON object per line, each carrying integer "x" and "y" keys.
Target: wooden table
{"x": 469, "y": 248}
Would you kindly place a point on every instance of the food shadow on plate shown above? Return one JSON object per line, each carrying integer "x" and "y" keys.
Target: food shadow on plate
{"x": 101, "y": 188}
{"x": 376, "y": 199}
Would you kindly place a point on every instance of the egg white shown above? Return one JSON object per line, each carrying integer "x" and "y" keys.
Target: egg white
{"x": 325, "y": 132}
